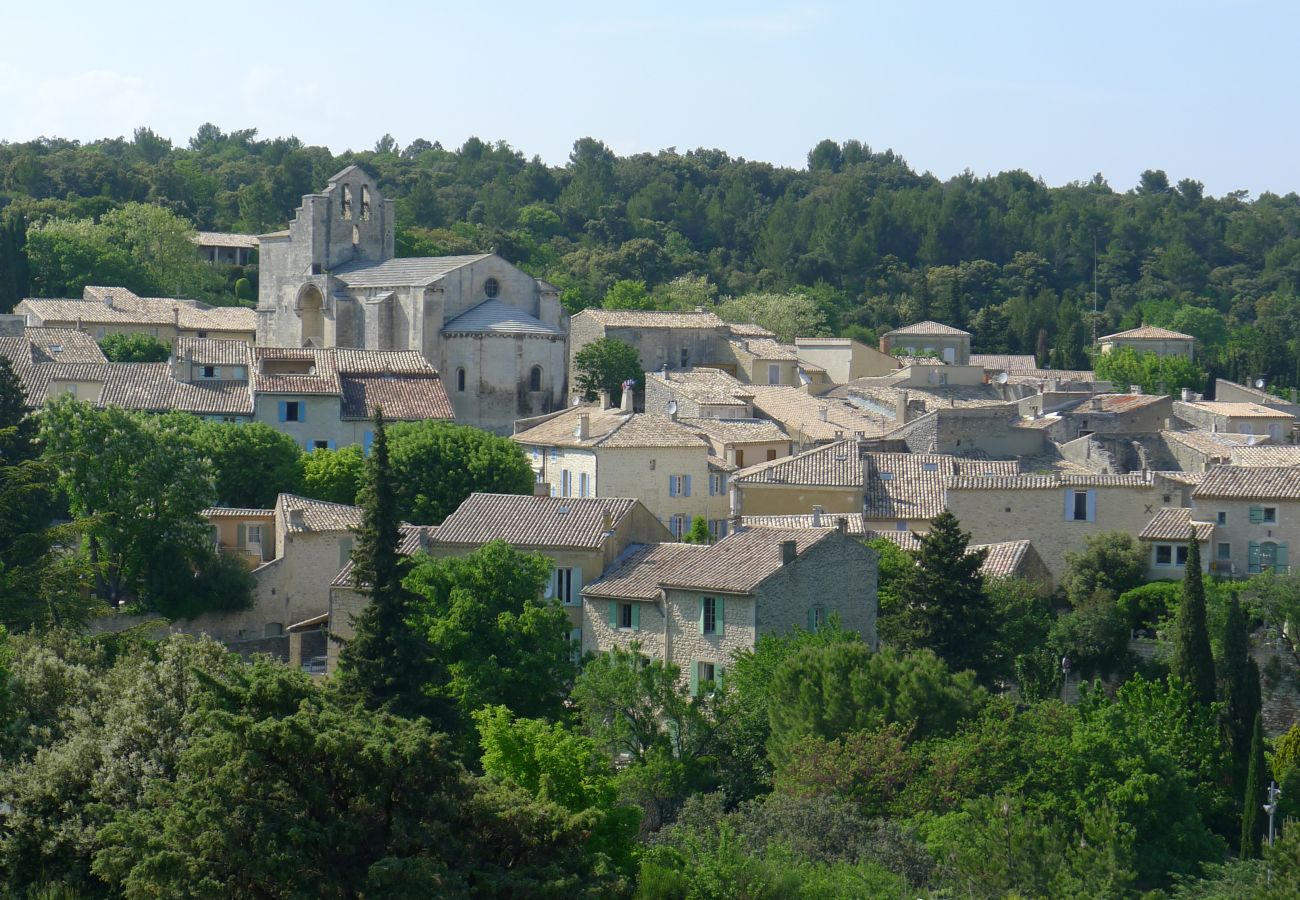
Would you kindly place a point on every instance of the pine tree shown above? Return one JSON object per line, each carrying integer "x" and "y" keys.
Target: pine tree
{"x": 1193, "y": 660}
{"x": 1252, "y": 816}
{"x": 942, "y": 604}
{"x": 1241, "y": 702}
{"x": 386, "y": 662}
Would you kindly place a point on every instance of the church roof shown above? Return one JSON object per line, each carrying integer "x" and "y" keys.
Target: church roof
{"x": 496, "y": 317}
{"x": 403, "y": 271}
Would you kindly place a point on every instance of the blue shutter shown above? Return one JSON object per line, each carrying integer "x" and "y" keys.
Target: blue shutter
{"x": 636, "y": 616}
{"x": 686, "y": 487}
{"x": 241, "y": 535}
{"x": 366, "y": 440}
{"x": 812, "y": 618}
{"x": 331, "y": 445}
{"x": 1252, "y": 558}
{"x": 284, "y": 411}
{"x": 1256, "y": 515}
{"x": 1092, "y": 506}
{"x": 1280, "y": 561}
{"x": 575, "y": 587}
{"x": 672, "y": 485}
{"x": 1069, "y": 505}
{"x": 701, "y": 617}
{"x": 302, "y": 410}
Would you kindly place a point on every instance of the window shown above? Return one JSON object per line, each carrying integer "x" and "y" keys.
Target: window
{"x": 209, "y": 371}
{"x": 677, "y": 525}
{"x": 1081, "y": 506}
{"x": 460, "y": 380}
{"x": 705, "y": 672}
{"x": 625, "y": 616}
{"x": 584, "y": 485}
{"x": 255, "y": 535}
{"x": 203, "y": 334}
{"x": 347, "y": 201}
{"x": 320, "y": 445}
{"x": 900, "y": 525}
{"x": 568, "y": 586}
{"x": 1180, "y": 555}
{"x": 717, "y": 484}
{"x": 679, "y": 485}
{"x": 566, "y": 483}
{"x": 1270, "y": 515}
{"x": 555, "y": 454}
{"x": 1225, "y": 551}
{"x": 710, "y": 616}
{"x": 816, "y": 618}
{"x": 740, "y": 457}
{"x": 535, "y": 378}
{"x": 929, "y": 467}
{"x": 365, "y": 203}
{"x": 1171, "y": 555}
{"x": 1221, "y": 519}
{"x": 686, "y": 358}
{"x": 356, "y": 235}
{"x": 718, "y": 528}
{"x": 773, "y": 373}
{"x": 491, "y": 288}
{"x": 886, "y": 476}
{"x": 292, "y": 411}
{"x": 771, "y": 454}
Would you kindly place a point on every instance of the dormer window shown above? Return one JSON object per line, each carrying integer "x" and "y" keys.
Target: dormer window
{"x": 56, "y": 348}
{"x": 365, "y": 203}
{"x": 929, "y": 467}
{"x": 886, "y": 476}
{"x": 491, "y": 288}
{"x": 347, "y": 201}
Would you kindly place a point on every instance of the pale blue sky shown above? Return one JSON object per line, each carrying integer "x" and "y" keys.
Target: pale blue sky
{"x": 1206, "y": 90}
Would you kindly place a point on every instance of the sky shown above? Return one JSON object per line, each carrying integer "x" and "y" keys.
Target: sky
{"x": 1203, "y": 90}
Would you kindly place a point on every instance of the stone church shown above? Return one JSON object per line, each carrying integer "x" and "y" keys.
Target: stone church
{"x": 498, "y": 336}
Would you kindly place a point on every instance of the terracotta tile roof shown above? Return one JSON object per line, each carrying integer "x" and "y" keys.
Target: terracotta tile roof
{"x": 1215, "y": 444}
{"x": 1148, "y": 333}
{"x": 795, "y": 410}
{"x": 763, "y": 348}
{"x": 1004, "y": 559}
{"x": 718, "y": 464}
{"x": 402, "y": 271}
{"x": 853, "y": 521}
{"x": 1187, "y": 479}
{"x": 1052, "y": 481}
{"x": 225, "y": 239}
{"x": 741, "y": 329}
{"x": 403, "y": 397}
{"x": 380, "y": 362}
{"x": 834, "y": 465}
{"x": 103, "y": 293}
{"x": 525, "y": 520}
{"x": 633, "y": 318}
{"x": 1117, "y": 403}
{"x": 737, "y": 564}
{"x": 927, "y": 327}
{"x": 1250, "y": 483}
{"x": 1266, "y": 455}
{"x": 738, "y": 431}
{"x": 911, "y": 485}
{"x": 317, "y": 515}
{"x": 709, "y": 386}
{"x": 142, "y": 386}
{"x": 128, "y": 309}
{"x": 610, "y": 428}
{"x": 48, "y": 345}
{"x": 904, "y": 540}
{"x": 1175, "y": 525}
{"x": 1005, "y": 362}
{"x": 210, "y": 352}
{"x": 235, "y": 512}
{"x": 1235, "y": 410}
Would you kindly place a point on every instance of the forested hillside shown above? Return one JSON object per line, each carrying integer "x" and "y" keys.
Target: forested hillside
{"x": 867, "y": 240}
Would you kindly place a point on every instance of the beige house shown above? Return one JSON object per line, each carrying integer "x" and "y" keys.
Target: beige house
{"x": 1232, "y": 392}
{"x": 582, "y": 538}
{"x": 1150, "y": 339}
{"x": 740, "y": 442}
{"x": 1058, "y": 512}
{"x": 952, "y": 345}
{"x": 844, "y": 359}
{"x": 1236, "y": 418}
{"x": 1166, "y": 539}
{"x": 115, "y": 310}
{"x": 698, "y": 393}
{"x": 697, "y": 606}
{"x": 1255, "y": 512}
{"x": 678, "y": 340}
{"x": 246, "y": 534}
{"x": 586, "y": 451}
{"x": 765, "y": 361}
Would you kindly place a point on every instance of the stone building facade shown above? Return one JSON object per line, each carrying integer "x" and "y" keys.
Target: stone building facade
{"x": 497, "y": 335}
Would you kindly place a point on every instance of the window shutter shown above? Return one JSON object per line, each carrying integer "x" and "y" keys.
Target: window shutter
{"x": 672, "y": 485}
{"x": 1252, "y": 557}
{"x": 366, "y": 440}
{"x": 331, "y": 445}
{"x": 284, "y": 411}
{"x": 812, "y": 618}
{"x": 686, "y": 487}
{"x": 613, "y": 614}
{"x": 1281, "y": 559}
{"x": 241, "y": 535}
{"x": 1092, "y": 506}
{"x": 302, "y": 410}
{"x": 719, "y": 674}
{"x": 1069, "y": 505}
{"x": 636, "y": 616}
{"x": 1256, "y": 515}
{"x": 701, "y": 618}
{"x": 695, "y": 678}
{"x": 576, "y": 589}
{"x": 719, "y": 610}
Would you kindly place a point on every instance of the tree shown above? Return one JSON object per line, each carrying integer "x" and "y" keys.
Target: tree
{"x": 134, "y": 348}
{"x": 606, "y": 365}
{"x": 386, "y": 663}
{"x": 1253, "y": 797}
{"x": 942, "y": 604}
{"x": 1241, "y": 700}
{"x": 436, "y": 465}
{"x": 627, "y": 295}
{"x": 786, "y": 315}
{"x": 1154, "y": 374}
{"x": 252, "y": 463}
{"x": 699, "y": 532}
{"x": 334, "y": 475}
{"x": 1111, "y": 562}
{"x": 1193, "y": 660}
{"x": 493, "y": 637}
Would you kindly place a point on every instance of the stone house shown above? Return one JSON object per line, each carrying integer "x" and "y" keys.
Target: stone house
{"x": 246, "y": 534}
{"x": 765, "y": 361}
{"x": 1200, "y": 451}
{"x": 498, "y": 335}
{"x": 1231, "y": 392}
{"x": 678, "y": 340}
{"x": 698, "y": 394}
{"x": 1255, "y": 512}
{"x": 696, "y": 606}
{"x": 1236, "y": 418}
{"x": 1149, "y": 339}
{"x": 221, "y": 248}
{"x": 952, "y": 345}
{"x": 812, "y": 421}
{"x": 586, "y": 451}
{"x": 115, "y": 310}
{"x": 844, "y": 359}
{"x": 738, "y": 442}
{"x": 1166, "y": 538}
{"x": 582, "y": 538}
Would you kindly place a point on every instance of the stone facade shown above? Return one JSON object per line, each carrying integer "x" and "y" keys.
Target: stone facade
{"x": 844, "y": 359}
{"x": 497, "y": 335}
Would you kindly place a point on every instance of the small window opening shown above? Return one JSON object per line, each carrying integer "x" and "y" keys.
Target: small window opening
{"x": 347, "y": 201}
{"x": 491, "y": 288}
{"x": 535, "y": 379}
{"x": 365, "y": 203}
{"x": 460, "y": 380}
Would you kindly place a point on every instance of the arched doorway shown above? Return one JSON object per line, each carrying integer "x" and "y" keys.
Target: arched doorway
{"x": 311, "y": 315}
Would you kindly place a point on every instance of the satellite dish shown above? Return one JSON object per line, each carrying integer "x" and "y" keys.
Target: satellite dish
{"x": 803, "y": 377}
{"x": 1259, "y": 383}
{"x": 1003, "y": 378}
{"x": 672, "y": 407}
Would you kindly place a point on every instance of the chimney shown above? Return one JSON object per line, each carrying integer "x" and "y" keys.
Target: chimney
{"x": 842, "y": 524}
{"x": 583, "y": 429}
{"x": 1186, "y": 395}
{"x": 821, "y": 413}
{"x": 607, "y": 522}
{"x": 604, "y": 399}
{"x": 817, "y": 517}
{"x": 900, "y": 413}
{"x": 176, "y": 317}
{"x": 789, "y": 550}
{"x": 296, "y": 519}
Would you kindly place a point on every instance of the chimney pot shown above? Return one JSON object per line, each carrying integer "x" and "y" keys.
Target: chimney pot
{"x": 604, "y": 399}
{"x": 583, "y": 429}
{"x": 817, "y": 517}
{"x": 821, "y": 413}
{"x": 842, "y": 524}
{"x": 626, "y": 400}
{"x": 789, "y": 550}
{"x": 607, "y": 522}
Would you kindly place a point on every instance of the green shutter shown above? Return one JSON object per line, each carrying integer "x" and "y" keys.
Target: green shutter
{"x": 1256, "y": 515}
{"x": 1252, "y": 558}
{"x": 1282, "y": 566}
{"x": 636, "y": 616}
{"x": 695, "y": 678}
{"x": 718, "y": 614}
{"x": 613, "y": 614}
{"x": 720, "y": 673}
{"x": 812, "y": 619}
{"x": 701, "y": 618}
{"x": 241, "y": 535}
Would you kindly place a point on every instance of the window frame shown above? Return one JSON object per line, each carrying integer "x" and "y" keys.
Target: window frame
{"x": 1167, "y": 552}
{"x": 491, "y": 288}
{"x": 709, "y": 616}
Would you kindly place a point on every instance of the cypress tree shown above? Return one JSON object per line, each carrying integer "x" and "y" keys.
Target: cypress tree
{"x": 1241, "y": 703}
{"x": 1193, "y": 660}
{"x": 1252, "y": 815}
{"x": 386, "y": 662}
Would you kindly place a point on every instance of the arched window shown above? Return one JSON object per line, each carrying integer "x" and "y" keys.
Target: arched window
{"x": 491, "y": 288}
{"x": 365, "y": 203}
{"x": 356, "y": 235}
{"x": 347, "y": 201}
{"x": 535, "y": 379}
{"x": 460, "y": 380}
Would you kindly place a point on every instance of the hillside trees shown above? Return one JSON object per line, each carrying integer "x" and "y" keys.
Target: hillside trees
{"x": 436, "y": 465}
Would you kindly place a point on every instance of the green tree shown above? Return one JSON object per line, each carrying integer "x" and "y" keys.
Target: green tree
{"x": 699, "y": 532}
{"x": 436, "y": 465}
{"x": 1253, "y": 797}
{"x": 627, "y": 295}
{"x": 1241, "y": 699}
{"x": 606, "y": 365}
{"x": 134, "y": 348}
{"x": 786, "y": 315}
{"x": 942, "y": 604}
{"x": 1193, "y": 660}
{"x": 252, "y": 463}
{"x": 1110, "y": 562}
{"x": 1126, "y": 368}
{"x": 493, "y": 637}
{"x": 334, "y": 475}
